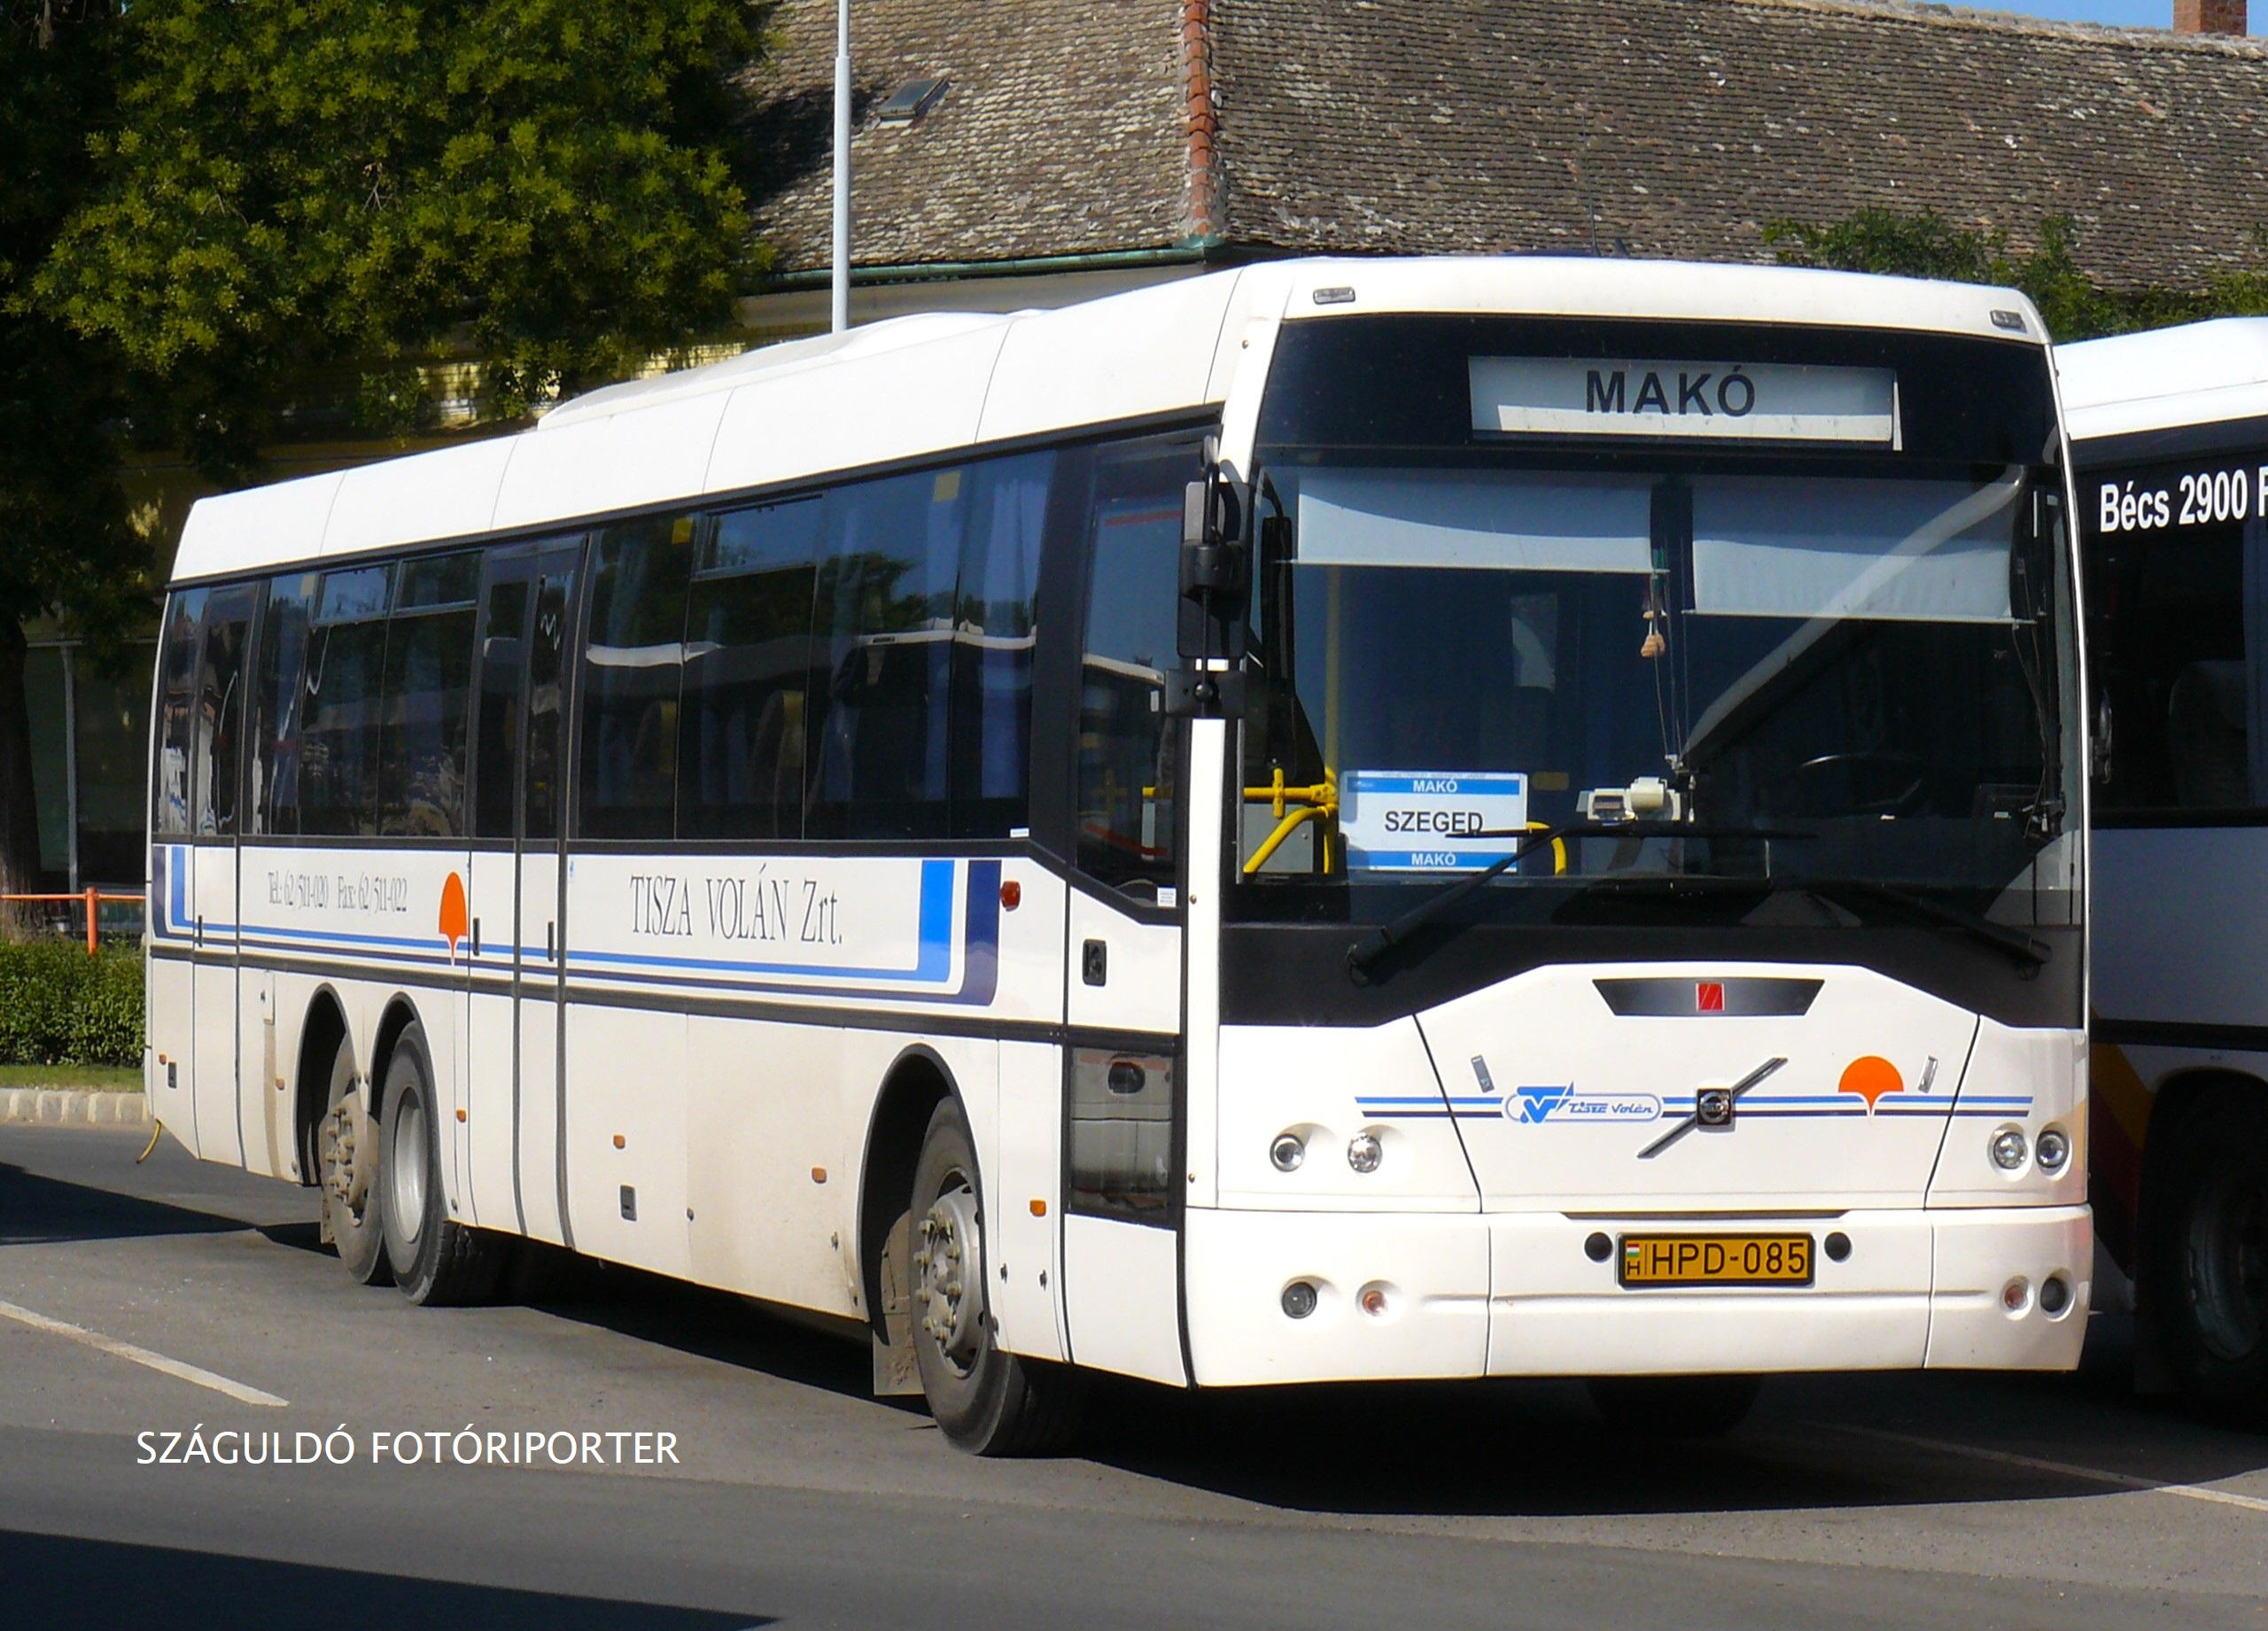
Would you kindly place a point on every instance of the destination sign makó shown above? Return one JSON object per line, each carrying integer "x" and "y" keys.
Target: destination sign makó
{"x": 1731, "y": 401}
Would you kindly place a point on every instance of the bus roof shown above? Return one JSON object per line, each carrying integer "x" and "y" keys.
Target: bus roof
{"x": 2168, "y": 379}
{"x": 923, "y": 385}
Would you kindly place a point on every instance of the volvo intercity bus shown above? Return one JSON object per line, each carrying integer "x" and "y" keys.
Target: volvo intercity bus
{"x": 1337, "y": 820}
{"x": 2169, "y": 430}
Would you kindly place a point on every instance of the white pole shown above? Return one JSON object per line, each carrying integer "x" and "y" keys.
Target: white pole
{"x": 842, "y": 166}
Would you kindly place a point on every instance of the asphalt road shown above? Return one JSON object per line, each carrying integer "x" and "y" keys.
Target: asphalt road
{"x": 795, "y": 1500}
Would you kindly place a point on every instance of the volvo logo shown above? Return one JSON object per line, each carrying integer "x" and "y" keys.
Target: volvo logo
{"x": 1714, "y": 1108}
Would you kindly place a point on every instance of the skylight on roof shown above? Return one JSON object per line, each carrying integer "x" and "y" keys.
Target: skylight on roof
{"x": 910, "y": 100}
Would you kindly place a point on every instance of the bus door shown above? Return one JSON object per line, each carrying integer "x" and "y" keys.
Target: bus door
{"x": 512, "y": 898}
{"x": 1123, "y": 1058}
{"x": 216, "y": 738}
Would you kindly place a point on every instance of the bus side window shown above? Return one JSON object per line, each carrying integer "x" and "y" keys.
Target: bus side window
{"x": 996, "y": 628}
{"x": 748, "y": 657}
{"x": 338, "y": 784}
{"x": 634, "y": 662}
{"x": 169, "y": 816}
{"x": 885, "y": 609}
{"x": 428, "y": 691}
{"x": 278, "y": 698}
{"x": 2180, "y": 651}
{"x": 1128, "y": 808}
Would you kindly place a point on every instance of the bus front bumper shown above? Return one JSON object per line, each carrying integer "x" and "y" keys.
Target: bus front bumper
{"x": 1518, "y": 1294}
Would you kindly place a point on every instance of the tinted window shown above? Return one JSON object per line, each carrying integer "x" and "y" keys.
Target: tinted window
{"x": 749, "y": 659}
{"x": 279, "y": 703}
{"x": 176, "y": 687}
{"x": 504, "y": 661}
{"x": 428, "y": 691}
{"x": 634, "y": 659}
{"x": 216, "y": 751}
{"x": 2180, "y": 607}
{"x": 995, "y": 628}
{"x": 1128, "y": 784}
{"x": 885, "y": 605}
{"x": 346, "y": 668}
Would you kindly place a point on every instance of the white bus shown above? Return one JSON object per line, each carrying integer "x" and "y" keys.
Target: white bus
{"x": 1337, "y": 820}
{"x": 2170, "y": 432}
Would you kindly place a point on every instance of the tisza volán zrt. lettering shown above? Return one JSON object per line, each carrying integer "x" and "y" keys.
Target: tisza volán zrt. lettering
{"x": 762, "y": 908}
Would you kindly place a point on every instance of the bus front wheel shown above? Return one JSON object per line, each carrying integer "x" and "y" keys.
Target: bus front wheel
{"x": 2209, "y": 1274}
{"x": 987, "y": 1401}
{"x": 435, "y": 1259}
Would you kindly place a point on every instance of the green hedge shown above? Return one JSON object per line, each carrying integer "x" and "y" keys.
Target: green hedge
{"x": 60, "y": 1006}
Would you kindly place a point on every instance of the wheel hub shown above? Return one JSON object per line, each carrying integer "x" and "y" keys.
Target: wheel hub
{"x": 948, "y": 1270}
{"x": 345, "y": 1151}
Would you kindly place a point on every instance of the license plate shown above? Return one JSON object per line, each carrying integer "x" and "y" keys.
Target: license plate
{"x": 1716, "y": 1259}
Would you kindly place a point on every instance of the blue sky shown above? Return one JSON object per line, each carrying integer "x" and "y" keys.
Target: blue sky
{"x": 2119, "y": 13}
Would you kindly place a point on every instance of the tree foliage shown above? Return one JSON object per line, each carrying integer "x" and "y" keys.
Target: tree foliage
{"x": 295, "y": 183}
{"x": 2075, "y": 306}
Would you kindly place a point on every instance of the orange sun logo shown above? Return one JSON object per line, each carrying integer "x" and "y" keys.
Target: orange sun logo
{"x": 1870, "y": 1078}
{"x": 454, "y": 921}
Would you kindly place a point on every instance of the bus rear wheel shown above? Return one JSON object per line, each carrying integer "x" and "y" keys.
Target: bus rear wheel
{"x": 347, "y": 1158}
{"x": 1675, "y": 1406}
{"x": 987, "y": 1401}
{"x": 435, "y": 1259}
{"x": 2209, "y": 1273}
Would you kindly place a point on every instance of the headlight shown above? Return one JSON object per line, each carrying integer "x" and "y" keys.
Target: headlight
{"x": 2008, "y": 1149}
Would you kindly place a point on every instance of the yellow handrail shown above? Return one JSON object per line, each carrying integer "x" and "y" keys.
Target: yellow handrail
{"x": 1558, "y": 847}
{"x": 1291, "y": 805}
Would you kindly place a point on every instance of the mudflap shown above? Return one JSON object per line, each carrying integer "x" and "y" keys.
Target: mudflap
{"x": 894, "y": 1373}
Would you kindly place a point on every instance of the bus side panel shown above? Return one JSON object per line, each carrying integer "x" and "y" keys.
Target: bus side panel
{"x": 626, "y": 1134}
{"x": 1025, "y": 1209}
{"x": 768, "y": 1163}
{"x": 171, "y": 996}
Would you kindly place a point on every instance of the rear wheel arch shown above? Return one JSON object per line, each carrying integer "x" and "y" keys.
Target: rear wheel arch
{"x": 916, "y": 1083}
{"x": 322, "y": 1031}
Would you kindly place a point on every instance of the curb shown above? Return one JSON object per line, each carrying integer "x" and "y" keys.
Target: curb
{"x": 61, "y": 1106}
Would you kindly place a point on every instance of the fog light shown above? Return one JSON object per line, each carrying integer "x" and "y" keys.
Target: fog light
{"x": 2015, "y": 1296}
{"x": 2054, "y": 1149}
{"x": 1299, "y": 1299}
{"x": 2054, "y": 1294}
{"x": 1364, "y": 1153}
{"x": 1287, "y": 1152}
{"x": 2008, "y": 1149}
{"x": 1373, "y": 1300}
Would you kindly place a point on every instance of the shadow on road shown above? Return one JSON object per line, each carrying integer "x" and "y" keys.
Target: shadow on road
{"x": 56, "y": 1581}
{"x": 34, "y": 1210}
{"x": 1531, "y": 1448}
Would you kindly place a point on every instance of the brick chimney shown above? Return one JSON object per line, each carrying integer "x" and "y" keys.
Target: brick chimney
{"x": 2209, "y": 16}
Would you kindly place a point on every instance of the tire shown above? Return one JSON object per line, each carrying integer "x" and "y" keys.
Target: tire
{"x": 2207, "y": 1268}
{"x": 1675, "y": 1406}
{"x": 986, "y": 1402}
{"x": 436, "y": 1261}
{"x": 346, "y": 1167}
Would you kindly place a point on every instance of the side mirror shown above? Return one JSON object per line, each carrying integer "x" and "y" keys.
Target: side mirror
{"x": 1216, "y": 568}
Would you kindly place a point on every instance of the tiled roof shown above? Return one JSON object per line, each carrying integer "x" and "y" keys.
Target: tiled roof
{"x": 1658, "y": 128}
{"x": 1062, "y": 132}
{"x": 1681, "y": 127}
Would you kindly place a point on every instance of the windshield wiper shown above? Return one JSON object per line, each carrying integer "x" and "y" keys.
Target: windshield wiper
{"x": 2026, "y": 948}
{"x": 1386, "y": 937}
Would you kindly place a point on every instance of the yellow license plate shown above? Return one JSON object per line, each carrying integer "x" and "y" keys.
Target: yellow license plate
{"x": 1716, "y": 1259}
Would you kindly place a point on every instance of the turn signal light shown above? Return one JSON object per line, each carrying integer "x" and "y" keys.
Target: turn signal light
{"x": 2009, "y": 1149}
{"x": 1363, "y": 1153}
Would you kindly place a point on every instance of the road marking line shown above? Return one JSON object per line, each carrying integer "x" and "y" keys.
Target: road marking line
{"x": 2099, "y": 1475}
{"x": 139, "y": 1355}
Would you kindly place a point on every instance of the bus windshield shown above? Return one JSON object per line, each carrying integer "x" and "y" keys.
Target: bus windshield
{"x": 1839, "y": 675}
